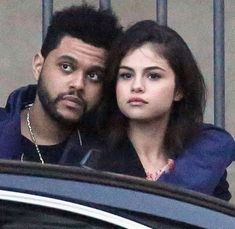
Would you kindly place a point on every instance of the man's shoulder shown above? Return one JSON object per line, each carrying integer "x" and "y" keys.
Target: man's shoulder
{"x": 3, "y": 114}
{"x": 17, "y": 99}
{"x": 20, "y": 97}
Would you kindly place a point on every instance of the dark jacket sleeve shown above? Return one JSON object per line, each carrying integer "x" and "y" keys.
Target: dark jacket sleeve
{"x": 203, "y": 165}
{"x": 222, "y": 189}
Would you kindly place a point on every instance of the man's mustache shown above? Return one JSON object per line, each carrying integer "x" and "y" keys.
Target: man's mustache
{"x": 75, "y": 97}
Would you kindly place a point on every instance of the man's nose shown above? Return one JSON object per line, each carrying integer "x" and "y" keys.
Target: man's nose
{"x": 78, "y": 81}
{"x": 138, "y": 85}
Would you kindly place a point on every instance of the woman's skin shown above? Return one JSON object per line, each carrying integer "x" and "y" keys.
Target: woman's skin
{"x": 145, "y": 93}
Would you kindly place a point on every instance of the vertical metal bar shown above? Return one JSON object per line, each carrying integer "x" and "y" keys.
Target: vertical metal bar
{"x": 105, "y": 4}
{"x": 161, "y": 12}
{"x": 219, "y": 82}
{"x": 47, "y": 11}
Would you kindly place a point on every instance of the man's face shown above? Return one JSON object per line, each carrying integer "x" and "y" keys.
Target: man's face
{"x": 70, "y": 79}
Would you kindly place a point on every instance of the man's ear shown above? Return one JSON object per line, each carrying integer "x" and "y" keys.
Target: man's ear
{"x": 38, "y": 61}
{"x": 178, "y": 95}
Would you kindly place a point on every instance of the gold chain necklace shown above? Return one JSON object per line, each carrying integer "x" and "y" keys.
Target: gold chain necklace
{"x": 34, "y": 139}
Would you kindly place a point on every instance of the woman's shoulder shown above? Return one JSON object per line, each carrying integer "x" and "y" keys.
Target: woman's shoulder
{"x": 202, "y": 165}
{"x": 213, "y": 140}
{"x": 210, "y": 133}
{"x": 212, "y": 129}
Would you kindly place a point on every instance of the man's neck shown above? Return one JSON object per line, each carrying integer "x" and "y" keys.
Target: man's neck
{"x": 45, "y": 130}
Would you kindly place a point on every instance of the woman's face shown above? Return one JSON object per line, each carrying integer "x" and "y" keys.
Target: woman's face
{"x": 145, "y": 86}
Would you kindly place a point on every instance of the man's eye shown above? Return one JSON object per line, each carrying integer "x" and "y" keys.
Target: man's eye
{"x": 124, "y": 75}
{"x": 66, "y": 67}
{"x": 153, "y": 76}
{"x": 95, "y": 76}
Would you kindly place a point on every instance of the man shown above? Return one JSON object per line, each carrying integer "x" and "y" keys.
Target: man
{"x": 41, "y": 123}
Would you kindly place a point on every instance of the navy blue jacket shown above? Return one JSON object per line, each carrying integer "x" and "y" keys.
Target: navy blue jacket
{"x": 201, "y": 167}
{"x": 10, "y": 130}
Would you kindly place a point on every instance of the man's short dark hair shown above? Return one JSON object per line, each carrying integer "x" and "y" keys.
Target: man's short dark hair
{"x": 96, "y": 27}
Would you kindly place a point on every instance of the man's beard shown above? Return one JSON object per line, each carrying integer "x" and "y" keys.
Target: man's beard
{"x": 50, "y": 105}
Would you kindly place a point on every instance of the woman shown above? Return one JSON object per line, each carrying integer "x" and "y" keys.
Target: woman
{"x": 156, "y": 99}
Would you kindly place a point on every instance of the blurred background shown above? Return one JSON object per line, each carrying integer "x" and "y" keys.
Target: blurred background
{"x": 21, "y": 38}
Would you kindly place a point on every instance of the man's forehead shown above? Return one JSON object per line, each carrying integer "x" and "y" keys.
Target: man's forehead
{"x": 77, "y": 46}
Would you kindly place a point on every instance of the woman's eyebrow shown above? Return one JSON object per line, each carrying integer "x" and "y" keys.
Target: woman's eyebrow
{"x": 146, "y": 69}
{"x": 125, "y": 67}
{"x": 154, "y": 68}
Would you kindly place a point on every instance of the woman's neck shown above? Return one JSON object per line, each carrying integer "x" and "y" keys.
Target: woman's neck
{"x": 148, "y": 141}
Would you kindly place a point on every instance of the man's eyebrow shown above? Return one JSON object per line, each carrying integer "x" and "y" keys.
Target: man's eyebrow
{"x": 97, "y": 68}
{"x": 75, "y": 62}
{"x": 68, "y": 58}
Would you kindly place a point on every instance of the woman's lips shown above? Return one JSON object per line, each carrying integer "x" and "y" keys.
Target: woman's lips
{"x": 137, "y": 101}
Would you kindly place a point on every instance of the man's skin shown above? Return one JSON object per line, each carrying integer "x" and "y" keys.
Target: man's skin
{"x": 69, "y": 85}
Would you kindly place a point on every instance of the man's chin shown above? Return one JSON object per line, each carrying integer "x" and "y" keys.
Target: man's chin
{"x": 68, "y": 123}
{"x": 68, "y": 120}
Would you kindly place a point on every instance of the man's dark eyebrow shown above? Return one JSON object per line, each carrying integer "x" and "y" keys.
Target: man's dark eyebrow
{"x": 75, "y": 62}
{"x": 68, "y": 58}
{"x": 96, "y": 68}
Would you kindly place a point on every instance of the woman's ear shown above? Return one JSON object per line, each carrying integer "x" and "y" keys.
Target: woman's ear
{"x": 178, "y": 95}
{"x": 38, "y": 61}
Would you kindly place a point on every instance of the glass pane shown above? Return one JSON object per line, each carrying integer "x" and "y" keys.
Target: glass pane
{"x": 14, "y": 215}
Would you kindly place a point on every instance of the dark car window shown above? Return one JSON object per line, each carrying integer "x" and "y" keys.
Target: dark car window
{"x": 16, "y": 215}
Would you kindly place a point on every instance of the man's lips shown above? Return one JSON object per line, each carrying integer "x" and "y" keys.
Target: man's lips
{"x": 137, "y": 101}
{"x": 73, "y": 101}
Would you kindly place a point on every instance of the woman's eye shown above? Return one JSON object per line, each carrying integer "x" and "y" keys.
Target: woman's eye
{"x": 66, "y": 67}
{"x": 124, "y": 75}
{"x": 154, "y": 76}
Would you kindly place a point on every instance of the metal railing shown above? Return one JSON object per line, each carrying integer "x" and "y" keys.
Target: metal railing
{"x": 219, "y": 82}
{"x": 47, "y": 11}
{"x": 161, "y": 12}
{"x": 161, "y": 17}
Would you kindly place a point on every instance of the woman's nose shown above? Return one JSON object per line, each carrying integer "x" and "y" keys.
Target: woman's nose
{"x": 137, "y": 85}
